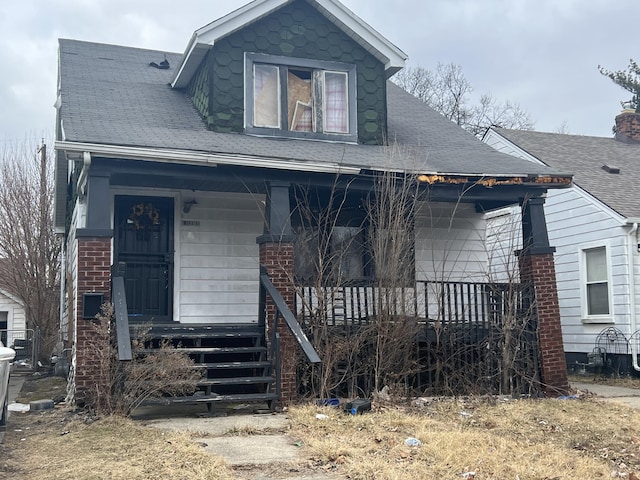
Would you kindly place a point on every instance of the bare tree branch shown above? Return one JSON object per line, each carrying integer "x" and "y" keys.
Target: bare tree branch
{"x": 447, "y": 90}
{"x": 29, "y": 248}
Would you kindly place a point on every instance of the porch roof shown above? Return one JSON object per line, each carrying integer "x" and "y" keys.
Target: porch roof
{"x": 109, "y": 96}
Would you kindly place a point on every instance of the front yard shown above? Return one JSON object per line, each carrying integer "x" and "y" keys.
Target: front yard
{"x": 473, "y": 438}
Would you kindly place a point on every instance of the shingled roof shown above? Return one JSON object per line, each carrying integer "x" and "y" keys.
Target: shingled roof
{"x": 109, "y": 95}
{"x": 585, "y": 156}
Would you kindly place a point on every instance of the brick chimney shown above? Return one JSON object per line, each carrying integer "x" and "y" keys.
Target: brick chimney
{"x": 628, "y": 127}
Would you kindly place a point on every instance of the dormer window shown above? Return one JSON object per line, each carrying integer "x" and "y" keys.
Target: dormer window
{"x": 300, "y": 98}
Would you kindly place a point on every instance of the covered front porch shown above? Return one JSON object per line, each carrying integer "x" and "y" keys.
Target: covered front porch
{"x": 448, "y": 306}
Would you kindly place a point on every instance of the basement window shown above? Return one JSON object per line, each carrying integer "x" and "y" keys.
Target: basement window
{"x": 300, "y": 98}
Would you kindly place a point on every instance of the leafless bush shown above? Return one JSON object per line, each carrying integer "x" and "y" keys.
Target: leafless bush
{"x": 326, "y": 259}
{"x": 345, "y": 244}
{"x": 29, "y": 247}
{"x": 121, "y": 386}
{"x": 391, "y": 211}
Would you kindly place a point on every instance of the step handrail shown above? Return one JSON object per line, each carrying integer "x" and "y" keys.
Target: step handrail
{"x": 289, "y": 317}
{"x": 122, "y": 315}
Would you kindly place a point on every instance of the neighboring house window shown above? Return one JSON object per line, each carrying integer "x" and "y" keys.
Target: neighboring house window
{"x": 596, "y": 283}
{"x": 300, "y": 98}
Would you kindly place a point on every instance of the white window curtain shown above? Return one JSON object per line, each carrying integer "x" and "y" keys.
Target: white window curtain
{"x": 336, "y": 106}
{"x": 266, "y": 96}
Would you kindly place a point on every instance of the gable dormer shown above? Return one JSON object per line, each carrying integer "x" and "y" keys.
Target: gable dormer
{"x": 293, "y": 69}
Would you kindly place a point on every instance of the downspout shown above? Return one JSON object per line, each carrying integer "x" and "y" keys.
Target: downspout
{"x": 632, "y": 245}
{"x": 82, "y": 178}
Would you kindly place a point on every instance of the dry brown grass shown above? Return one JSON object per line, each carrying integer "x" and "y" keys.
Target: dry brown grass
{"x": 65, "y": 445}
{"x": 529, "y": 439}
{"x": 495, "y": 439}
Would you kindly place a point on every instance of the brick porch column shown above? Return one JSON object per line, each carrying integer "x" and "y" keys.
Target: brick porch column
{"x": 537, "y": 268}
{"x": 94, "y": 275}
{"x": 276, "y": 256}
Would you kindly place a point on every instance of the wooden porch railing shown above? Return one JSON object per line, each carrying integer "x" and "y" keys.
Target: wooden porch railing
{"x": 469, "y": 337}
{"x": 282, "y": 310}
{"x": 426, "y": 301}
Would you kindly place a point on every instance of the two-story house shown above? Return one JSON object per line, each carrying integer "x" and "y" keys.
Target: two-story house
{"x": 180, "y": 171}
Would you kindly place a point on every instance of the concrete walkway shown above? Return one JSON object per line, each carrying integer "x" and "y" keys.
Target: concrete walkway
{"x": 246, "y": 441}
{"x": 626, "y": 396}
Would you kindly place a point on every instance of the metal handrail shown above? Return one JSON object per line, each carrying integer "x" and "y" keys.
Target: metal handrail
{"x": 119, "y": 296}
{"x": 283, "y": 310}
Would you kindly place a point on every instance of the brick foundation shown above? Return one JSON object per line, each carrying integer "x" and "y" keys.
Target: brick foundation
{"x": 94, "y": 275}
{"x": 277, "y": 258}
{"x": 539, "y": 269}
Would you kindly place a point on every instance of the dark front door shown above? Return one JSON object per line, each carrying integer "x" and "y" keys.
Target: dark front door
{"x": 144, "y": 242}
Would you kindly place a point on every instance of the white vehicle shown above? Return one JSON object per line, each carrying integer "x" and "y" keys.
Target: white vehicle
{"x": 6, "y": 357}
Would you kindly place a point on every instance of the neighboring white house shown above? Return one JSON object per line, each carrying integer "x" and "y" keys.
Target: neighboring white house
{"x": 594, "y": 228}
{"x": 12, "y": 318}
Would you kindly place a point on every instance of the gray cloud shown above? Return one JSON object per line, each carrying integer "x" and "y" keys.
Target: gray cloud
{"x": 541, "y": 54}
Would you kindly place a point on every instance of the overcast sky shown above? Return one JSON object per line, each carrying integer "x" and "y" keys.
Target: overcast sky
{"x": 542, "y": 54}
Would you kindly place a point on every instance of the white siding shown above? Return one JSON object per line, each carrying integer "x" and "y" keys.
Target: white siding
{"x": 504, "y": 238}
{"x": 218, "y": 259}
{"x": 450, "y": 243}
{"x": 70, "y": 290}
{"x": 576, "y": 220}
{"x": 15, "y": 314}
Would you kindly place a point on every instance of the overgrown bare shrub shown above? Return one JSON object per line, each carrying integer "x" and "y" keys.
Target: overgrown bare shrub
{"x": 457, "y": 329}
{"x": 122, "y": 386}
{"x": 325, "y": 264}
{"x": 350, "y": 244}
{"x": 391, "y": 210}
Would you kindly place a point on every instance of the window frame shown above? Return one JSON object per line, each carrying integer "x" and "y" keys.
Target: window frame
{"x": 338, "y": 251}
{"x": 588, "y": 317}
{"x": 318, "y": 68}
{"x": 357, "y": 246}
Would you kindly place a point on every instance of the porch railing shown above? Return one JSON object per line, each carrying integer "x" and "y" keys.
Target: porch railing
{"x": 485, "y": 329}
{"x": 118, "y": 293}
{"x": 427, "y": 301}
{"x": 282, "y": 310}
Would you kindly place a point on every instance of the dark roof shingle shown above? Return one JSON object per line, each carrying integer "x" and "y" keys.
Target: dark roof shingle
{"x": 110, "y": 95}
{"x": 585, "y": 156}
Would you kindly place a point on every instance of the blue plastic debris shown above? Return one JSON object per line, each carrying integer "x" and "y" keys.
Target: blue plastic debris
{"x": 329, "y": 402}
{"x": 412, "y": 442}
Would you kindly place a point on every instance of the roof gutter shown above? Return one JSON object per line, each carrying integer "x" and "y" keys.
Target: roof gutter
{"x": 195, "y": 158}
{"x": 632, "y": 246}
